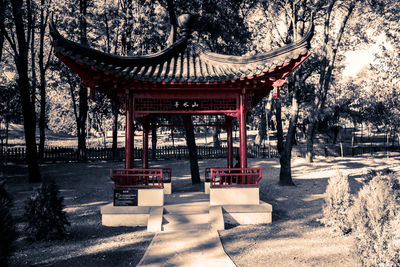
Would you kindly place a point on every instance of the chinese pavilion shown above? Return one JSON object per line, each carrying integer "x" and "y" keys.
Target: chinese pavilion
{"x": 183, "y": 79}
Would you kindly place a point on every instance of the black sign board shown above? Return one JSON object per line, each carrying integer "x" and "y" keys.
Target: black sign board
{"x": 185, "y": 104}
{"x": 125, "y": 197}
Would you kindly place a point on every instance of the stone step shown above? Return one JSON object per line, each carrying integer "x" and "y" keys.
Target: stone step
{"x": 188, "y": 208}
{"x": 186, "y": 222}
{"x": 185, "y": 227}
{"x": 197, "y": 218}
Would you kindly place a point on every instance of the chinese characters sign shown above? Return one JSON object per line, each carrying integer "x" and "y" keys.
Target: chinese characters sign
{"x": 177, "y": 105}
{"x": 185, "y": 104}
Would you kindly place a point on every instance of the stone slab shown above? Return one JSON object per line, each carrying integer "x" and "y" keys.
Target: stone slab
{"x": 262, "y": 207}
{"x": 216, "y": 218}
{"x": 234, "y": 196}
{"x": 110, "y": 209}
{"x": 124, "y": 215}
{"x": 124, "y": 219}
{"x": 167, "y": 188}
{"x": 248, "y": 214}
{"x": 155, "y": 219}
{"x": 248, "y": 218}
{"x": 151, "y": 197}
{"x": 207, "y": 188}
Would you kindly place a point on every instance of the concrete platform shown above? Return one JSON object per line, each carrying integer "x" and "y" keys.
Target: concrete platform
{"x": 186, "y": 211}
{"x": 248, "y": 214}
{"x": 124, "y": 215}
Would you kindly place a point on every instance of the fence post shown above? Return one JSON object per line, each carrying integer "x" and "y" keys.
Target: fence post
{"x": 387, "y": 145}
{"x": 341, "y": 149}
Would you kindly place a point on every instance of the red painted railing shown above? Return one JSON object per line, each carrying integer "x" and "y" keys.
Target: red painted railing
{"x": 138, "y": 178}
{"x": 235, "y": 177}
{"x": 207, "y": 174}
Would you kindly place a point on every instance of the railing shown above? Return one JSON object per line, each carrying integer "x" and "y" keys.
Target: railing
{"x": 236, "y": 177}
{"x": 138, "y": 178}
{"x": 207, "y": 174}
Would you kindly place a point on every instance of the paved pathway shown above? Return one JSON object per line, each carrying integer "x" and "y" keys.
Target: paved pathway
{"x": 186, "y": 248}
{"x": 194, "y": 247}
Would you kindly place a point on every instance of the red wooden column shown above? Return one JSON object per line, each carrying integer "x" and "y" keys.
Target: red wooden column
{"x": 242, "y": 132}
{"x": 228, "y": 125}
{"x": 129, "y": 132}
{"x": 145, "y": 148}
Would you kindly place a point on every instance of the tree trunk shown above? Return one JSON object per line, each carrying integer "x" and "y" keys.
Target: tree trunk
{"x": 262, "y": 128}
{"x": 83, "y": 110}
{"x": 42, "y": 118}
{"x": 191, "y": 144}
{"x": 153, "y": 142}
{"x": 83, "y": 99}
{"x": 217, "y": 143}
{"x": 2, "y": 17}
{"x": 42, "y": 69}
{"x": 310, "y": 142}
{"x": 28, "y": 108}
{"x": 285, "y": 147}
{"x": 115, "y": 110}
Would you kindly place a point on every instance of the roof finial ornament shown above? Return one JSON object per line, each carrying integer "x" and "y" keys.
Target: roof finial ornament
{"x": 185, "y": 22}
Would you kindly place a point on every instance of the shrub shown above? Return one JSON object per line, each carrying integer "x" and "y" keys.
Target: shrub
{"x": 372, "y": 173}
{"x": 337, "y": 203}
{"x": 8, "y": 233}
{"x": 375, "y": 223}
{"x": 44, "y": 213}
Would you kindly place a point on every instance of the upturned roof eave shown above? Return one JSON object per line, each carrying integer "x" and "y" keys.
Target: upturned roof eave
{"x": 149, "y": 68}
{"x": 302, "y": 44}
{"x": 61, "y": 42}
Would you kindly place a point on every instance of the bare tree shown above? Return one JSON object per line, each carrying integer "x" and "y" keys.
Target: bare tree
{"x": 331, "y": 42}
{"x": 20, "y": 48}
{"x": 83, "y": 92}
{"x": 43, "y": 67}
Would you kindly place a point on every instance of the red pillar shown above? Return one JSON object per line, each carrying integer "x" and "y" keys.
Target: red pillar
{"x": 228, "y": 122}
{"x": 129, "y": 132}
{"x": 145, "y": 148}
{"x": 242, "y": 133}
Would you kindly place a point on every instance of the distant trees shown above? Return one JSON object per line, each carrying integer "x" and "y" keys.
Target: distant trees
{"x": 294, "y": 17}
{"x": 126, "y": 27}
{"x": 334, "y": 20}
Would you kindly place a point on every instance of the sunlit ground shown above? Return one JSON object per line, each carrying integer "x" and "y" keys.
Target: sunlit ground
{"x": 295, "y": 238}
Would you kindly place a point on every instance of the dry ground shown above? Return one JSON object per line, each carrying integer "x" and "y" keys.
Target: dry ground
{"x": 295, "y": 238}
{"x": 85, "y": 187}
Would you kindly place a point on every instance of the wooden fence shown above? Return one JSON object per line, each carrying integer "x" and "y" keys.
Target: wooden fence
{"x": 345, "y": 150}
{"x": 63, "y": 154}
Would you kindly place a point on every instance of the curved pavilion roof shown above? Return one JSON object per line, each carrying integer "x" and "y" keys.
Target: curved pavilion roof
{"x": 183, "y": 62}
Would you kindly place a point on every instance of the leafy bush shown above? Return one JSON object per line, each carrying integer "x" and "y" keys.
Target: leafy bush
{"x": 337, "y": 203}
{"x": 44, "y": 213}
{"x": 376, "y": 223}
{"x": 8, "y": 233}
